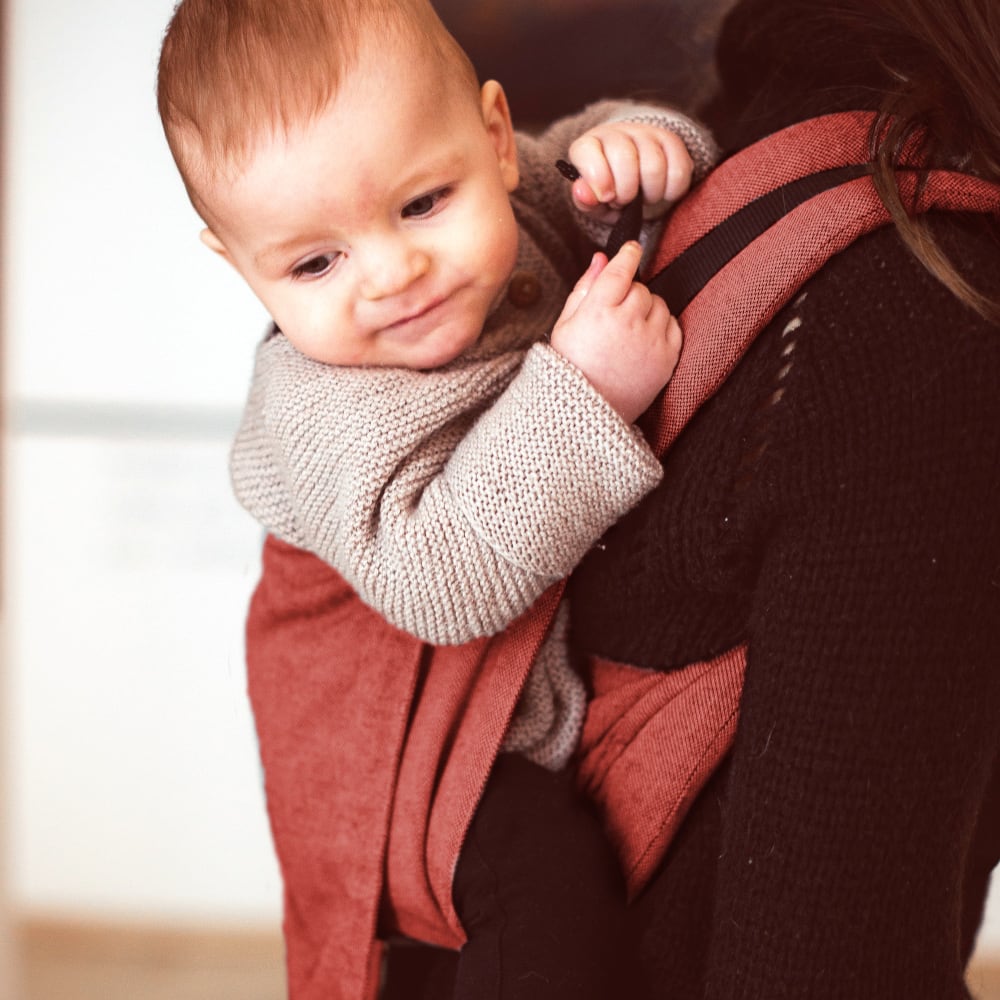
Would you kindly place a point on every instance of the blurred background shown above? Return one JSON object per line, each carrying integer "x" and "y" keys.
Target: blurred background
{"x": 136, "y": 860}
{"x": 134, "y": 820}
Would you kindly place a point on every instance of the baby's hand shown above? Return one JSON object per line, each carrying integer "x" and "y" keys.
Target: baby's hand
{"x": 618, "y": 333}
{"x": 618, "y": 159}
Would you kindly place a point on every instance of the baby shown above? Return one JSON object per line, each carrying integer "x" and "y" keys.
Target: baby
{"x": 443, "y": 410}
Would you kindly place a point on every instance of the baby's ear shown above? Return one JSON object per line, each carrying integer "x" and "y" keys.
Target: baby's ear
{"x": 496, "y": 118}
{"x": 214, "y": 243}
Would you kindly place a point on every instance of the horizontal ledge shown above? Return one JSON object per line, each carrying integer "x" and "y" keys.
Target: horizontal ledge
{"x": 80, "y": 418}
{"x": 57, "y": 939}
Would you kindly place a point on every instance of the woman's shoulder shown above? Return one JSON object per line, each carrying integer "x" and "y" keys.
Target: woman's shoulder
{"x": 883, "y": 377}
{"x": 874, "y": 320}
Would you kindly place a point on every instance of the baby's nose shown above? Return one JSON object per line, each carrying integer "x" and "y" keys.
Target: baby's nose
{"x": 391, "y": 268}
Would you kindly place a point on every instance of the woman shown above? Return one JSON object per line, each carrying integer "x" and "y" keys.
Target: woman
{"x": 834, "y": 507}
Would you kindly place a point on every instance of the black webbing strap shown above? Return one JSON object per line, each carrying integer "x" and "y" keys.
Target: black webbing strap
{"x": 629, "y": 222}
{"x": 681, "y": 280}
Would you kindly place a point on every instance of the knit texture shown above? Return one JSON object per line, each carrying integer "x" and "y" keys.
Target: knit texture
{"x": 451, "y": 499}
{"x": 549, "y": 717}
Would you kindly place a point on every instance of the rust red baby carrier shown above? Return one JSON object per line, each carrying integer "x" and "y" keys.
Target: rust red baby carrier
{"x": 376, "y": 746}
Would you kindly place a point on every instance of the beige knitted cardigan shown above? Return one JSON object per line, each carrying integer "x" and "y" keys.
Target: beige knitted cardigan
{"x": 451, "y": 499}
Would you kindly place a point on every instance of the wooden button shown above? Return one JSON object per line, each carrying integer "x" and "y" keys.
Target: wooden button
{"x": 524, "y": 290}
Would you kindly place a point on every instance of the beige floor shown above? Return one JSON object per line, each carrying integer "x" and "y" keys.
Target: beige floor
{"x": 984, "y": 979}
{"x": 64, "y": 961}
{"x": 76, "y": 961}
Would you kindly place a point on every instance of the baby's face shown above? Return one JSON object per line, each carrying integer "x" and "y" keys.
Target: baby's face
{"x": 382, "y": 232}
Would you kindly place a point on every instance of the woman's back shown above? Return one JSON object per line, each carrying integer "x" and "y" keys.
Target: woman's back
{"x": 833, "y": 507}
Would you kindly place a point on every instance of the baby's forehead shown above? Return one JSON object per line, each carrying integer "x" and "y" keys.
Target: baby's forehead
{"x": 369, "y": 120}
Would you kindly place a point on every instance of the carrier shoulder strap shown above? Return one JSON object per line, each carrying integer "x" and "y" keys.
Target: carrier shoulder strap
{"x": 742, "y": 244}
{"x": 685, "y": 276}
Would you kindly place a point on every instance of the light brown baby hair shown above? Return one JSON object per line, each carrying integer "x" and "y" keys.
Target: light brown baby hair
{"x": 233, "y": 72}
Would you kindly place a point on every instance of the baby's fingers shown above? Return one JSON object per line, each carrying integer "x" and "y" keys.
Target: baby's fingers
{"x": 608, "y": 159}
{"x": 651, "y": 161}
{"x": 614, "y": 283}
{"x": 666, "y": 167}
{"x": 623, "y": 157}
{"x": 596, "y": 184}
{"x": 620, "y": 160}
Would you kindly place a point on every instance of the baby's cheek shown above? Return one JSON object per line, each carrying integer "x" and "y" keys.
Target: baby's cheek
{"x": 308, "y": 336}
{"x": 504, "y": 248}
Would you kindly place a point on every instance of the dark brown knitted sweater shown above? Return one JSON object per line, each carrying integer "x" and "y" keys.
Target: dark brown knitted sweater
{"x": 836, "y": 506}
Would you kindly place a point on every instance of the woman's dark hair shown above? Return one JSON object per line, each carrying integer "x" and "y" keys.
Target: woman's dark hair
{"x": 942, "y": 60}
{"x": 930, "y": 67}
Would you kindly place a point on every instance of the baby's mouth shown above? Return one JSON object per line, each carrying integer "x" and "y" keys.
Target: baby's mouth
{"x": 416, "y": 315}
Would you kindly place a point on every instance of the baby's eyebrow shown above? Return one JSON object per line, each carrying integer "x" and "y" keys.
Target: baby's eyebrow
{"x": 274, "y": 253}
{"x": 431, "y": 171}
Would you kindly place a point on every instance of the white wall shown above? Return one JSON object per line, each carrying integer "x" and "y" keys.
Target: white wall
{"x": 131, "y": 771}
{"x": 110, "y": 296}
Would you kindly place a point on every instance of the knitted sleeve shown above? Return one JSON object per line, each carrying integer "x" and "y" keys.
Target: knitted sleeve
{"x": 447, "y": 522}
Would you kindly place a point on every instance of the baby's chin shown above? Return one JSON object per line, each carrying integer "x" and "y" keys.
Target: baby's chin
{"x": 440, "y": 355}
{"x": 436, "y": 349}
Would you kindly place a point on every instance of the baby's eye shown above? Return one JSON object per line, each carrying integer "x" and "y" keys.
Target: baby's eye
{"x": 315, "y": 267}
{"x": 425, "y": 204}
